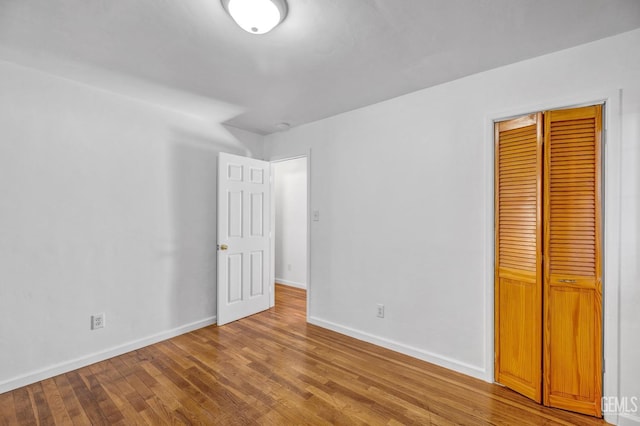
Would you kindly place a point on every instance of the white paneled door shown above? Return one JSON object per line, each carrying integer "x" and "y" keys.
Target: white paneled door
{"x": 243, "y": 237}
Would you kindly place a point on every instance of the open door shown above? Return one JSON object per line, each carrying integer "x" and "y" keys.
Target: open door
{"x": 244, "y": 222}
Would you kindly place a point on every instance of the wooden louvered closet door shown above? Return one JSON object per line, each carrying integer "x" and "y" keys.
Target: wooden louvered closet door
{"x": 548, "y": 287}
{"x": 572, "y": 267}
{"x": 518, "y": 275}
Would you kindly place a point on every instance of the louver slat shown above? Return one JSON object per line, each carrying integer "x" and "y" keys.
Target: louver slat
{"x": 566, "y": 137}
{"x": 517, "y": 177}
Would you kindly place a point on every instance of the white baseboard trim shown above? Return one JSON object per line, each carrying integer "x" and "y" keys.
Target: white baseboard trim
{"x": 83, "y": 361}
{"x": 431, "y": 357}
{"x": 628, "y": 420}
{"x": 291, "y": 283}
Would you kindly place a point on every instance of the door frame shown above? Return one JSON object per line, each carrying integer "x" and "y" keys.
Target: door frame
{"x": 611, "y": 209}
{"x": 272, "y": 264}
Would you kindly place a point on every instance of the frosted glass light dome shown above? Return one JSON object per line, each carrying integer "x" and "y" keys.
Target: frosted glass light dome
{"x": 256, "y": 16}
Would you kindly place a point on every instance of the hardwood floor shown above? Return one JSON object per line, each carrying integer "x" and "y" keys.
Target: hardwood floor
{"x": 275, "y": 369}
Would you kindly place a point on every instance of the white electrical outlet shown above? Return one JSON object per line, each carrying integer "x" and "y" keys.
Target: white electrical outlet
{"x": 380, "y": 313}
{"x": 289, "y": 267}
{"x": 97, "y": 321}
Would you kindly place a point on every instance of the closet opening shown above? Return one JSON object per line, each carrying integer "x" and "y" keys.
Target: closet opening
{"x": 548, "y": 257}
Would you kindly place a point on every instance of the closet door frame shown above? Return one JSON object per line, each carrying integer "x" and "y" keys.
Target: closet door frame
{"x": 611, "y": 231}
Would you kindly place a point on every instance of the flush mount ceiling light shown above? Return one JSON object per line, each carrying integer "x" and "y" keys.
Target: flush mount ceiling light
{"x": 256, "y": 16}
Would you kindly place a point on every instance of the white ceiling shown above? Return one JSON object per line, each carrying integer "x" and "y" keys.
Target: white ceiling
{"x": 327, "y": 57}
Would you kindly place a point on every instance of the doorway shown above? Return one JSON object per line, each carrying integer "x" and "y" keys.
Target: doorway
{"x": 247, "y": 232}
{"x": 290, "y": 223}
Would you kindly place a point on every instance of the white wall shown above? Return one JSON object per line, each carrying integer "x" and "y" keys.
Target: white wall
{"x": 404, "y": 190}
{"x": 107, "y": 204}
{"x": 290, "y": 182}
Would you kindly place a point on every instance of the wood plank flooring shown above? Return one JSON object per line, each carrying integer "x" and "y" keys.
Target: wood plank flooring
{"x": 272, "y": 369}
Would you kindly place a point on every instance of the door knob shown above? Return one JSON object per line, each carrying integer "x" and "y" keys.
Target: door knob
{"x": 224, "y": 247}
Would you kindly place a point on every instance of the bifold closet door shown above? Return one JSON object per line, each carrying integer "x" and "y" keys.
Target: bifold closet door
{"x": 518, "y": 241}
{"x": 572, "y": 266}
